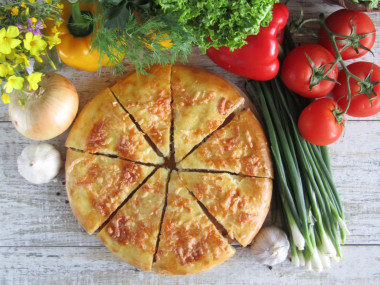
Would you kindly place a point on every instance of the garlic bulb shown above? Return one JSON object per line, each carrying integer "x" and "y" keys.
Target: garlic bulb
{"x": 39, "y": 163}
{"x": 270, "y": 246}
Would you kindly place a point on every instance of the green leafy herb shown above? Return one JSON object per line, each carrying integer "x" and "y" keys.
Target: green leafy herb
{"x": 372, "y": 3}
{"x": 225, "y": 22}
{"x": 140, "y": 31}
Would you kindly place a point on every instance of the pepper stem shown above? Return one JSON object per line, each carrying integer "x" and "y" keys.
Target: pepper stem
{"x": 76, "y": 13}
{"x": 79, "y": 25}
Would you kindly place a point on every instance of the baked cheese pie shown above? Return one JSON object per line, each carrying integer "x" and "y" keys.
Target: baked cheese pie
{"x": 104, "y": 127}
{"x": 169, "y": 169}
{"x": 239, "y": 204}
{"x": 132, "y": 233}
{"x": 147, "y": 98}
{"x": 201, "y": 102}
{"x": 96, "y": 185}
{"x": 188, "y": 243}
{"x": 238, "y": 147}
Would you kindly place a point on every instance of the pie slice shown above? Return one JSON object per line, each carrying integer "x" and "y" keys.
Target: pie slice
{"x": 104, "y": 127}
{"x": 147, "y": 98}
{"x": 132, "y": 233}
{"x": 238, "y": 147}
{"x": 189, "y": 242}
{"x": 239, "y": 204}
{"x": 96, "y": 185}
{"x": 201, "y": 102}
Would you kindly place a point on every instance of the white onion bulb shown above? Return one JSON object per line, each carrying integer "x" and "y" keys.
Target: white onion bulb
{"x": 49, "y": 111}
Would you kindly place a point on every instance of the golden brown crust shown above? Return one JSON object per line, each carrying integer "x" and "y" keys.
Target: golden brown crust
{"x": 239, "y": 147}
{"x": 189, "y": 243}
{"x": 96, "y": 185}
{"x": 104, "y": 127}
{"x": 240, "y": 204}
{"x": 201, "y": 102}
{"x": 132, "y": 233}
{"x": 147, "y": 98}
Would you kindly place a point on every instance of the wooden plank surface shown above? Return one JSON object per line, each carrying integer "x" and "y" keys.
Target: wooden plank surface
{"x": 42, "y": 243}
{"x": 96, "y": 265}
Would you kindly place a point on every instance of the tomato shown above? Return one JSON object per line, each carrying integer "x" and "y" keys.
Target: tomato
{"x": 317, "y": 123}
{"x": 339, "y": 23}
{"x": 297, "y": 71}
{"x": 360, "y": 105}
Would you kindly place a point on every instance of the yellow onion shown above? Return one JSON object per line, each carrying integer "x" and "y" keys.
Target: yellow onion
{"x": 49, "y": 111}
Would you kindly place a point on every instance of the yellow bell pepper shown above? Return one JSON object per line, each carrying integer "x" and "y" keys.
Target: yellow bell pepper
{"x": 76, "y": 51}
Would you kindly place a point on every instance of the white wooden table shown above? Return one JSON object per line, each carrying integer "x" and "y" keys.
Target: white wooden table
{"x": 42, "y": 243}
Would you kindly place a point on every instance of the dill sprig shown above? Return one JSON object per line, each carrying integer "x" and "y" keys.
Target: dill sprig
{"x": 141, "y": 32}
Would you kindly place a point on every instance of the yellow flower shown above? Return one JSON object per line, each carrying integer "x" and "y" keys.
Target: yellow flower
{"x": 22, "y": 59}
{"x": 54, "y": 30}
{"x": 11, "y": 55}
{"x": 34, "y": 20}
{"x": 2, "y": 17}
{"x": 34, "y": 43}
{"x": 15, "y": 11}
{"x": 6, "y": 69}
{"x": 23, "y": 5}
{"x": 5, "y": 98}
{"x": 7, "y": 39}
{"x": 14, "y": 82}
{"x": 33, "y": 79}
{"x": 32, "y": 1}
{"x": 53, "y": 40}
{"x": 60, "y": 6}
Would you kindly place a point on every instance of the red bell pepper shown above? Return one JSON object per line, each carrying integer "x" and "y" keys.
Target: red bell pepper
{"x": 258, "y": 59}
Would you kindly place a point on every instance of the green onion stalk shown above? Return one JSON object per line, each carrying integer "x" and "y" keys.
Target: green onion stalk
{"x": 313, "y": 213}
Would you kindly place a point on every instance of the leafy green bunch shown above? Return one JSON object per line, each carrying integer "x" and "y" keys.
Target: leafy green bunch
{"x": 224, "y": 22}
{"x": 372, "y": 4}
{"x": 140, "y": 31}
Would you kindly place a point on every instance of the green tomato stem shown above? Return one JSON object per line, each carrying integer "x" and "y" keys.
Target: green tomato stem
{"x": 332, "y": 38}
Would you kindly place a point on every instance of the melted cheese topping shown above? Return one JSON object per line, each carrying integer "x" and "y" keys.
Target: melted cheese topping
{"x": 189, "y": 242}
{"x": 201, "y": 102}
{"x": 239, "y": 147}
{"x": 147, "y": 98}
{"x": 240, "y": 204}
{"x": 104, "y": 127}
{"x": 132, "y": 233}
{"x": 97, "y": 185}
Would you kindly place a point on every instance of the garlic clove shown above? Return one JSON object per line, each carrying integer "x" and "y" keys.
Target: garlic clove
{"x": 270, "y": 246}
{"x": 39, "y": 163}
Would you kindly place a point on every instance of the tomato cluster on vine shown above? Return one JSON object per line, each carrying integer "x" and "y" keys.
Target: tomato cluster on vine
{"x": 311, "y": 70}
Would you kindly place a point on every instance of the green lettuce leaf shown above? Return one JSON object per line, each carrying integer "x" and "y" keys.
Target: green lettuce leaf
{"x": 225, "y": 22}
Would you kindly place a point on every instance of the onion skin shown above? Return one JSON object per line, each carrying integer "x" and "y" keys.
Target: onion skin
{"x": 49, "y": 111}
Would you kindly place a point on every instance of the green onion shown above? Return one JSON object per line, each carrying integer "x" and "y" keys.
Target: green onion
{"x": 312, "y": 211}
